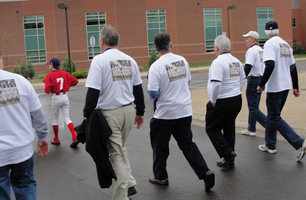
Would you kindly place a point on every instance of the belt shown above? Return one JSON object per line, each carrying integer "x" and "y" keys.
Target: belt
{"x": 128, "y": 104}
{"x": 252, "y": 77}
{"x": 59, "y": 93}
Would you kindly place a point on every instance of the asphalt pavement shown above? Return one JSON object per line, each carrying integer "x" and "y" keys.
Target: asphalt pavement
{"x": 70, "y": 174}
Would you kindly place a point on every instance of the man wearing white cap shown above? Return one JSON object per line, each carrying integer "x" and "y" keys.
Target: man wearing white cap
{"x": 254, "y": 68}
{"x": 280, "y": 65}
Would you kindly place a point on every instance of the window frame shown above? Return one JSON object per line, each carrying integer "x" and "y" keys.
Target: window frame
{"x": 293, "y": 23}
{"x": 261, "y": 22}
{"x": 216, "y": 13}
{"x": 34, "y": 29}
{"x": 161, "y": 21}
{"x": 98, "y": 16}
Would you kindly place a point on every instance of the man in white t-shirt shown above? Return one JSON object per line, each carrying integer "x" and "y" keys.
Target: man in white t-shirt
{"x": 226, "y": 78}
{"x": 114, "y": 83}
{"x": 168, "y": 85}
{"x": 279, "y": 72}
{"x": 20, "y": 112}
{"x": 254, "y": 68}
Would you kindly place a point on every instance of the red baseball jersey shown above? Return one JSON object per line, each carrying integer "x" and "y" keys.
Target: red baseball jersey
{"x": 59, "y": 81}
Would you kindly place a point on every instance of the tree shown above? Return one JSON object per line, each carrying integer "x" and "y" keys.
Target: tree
{"x": 300, "y": 49}
{"x": 6, "y": 47}
{"x": 31, "y": 69}
{"x": 16, "y": 69}
{"x": 65, "y": 65}
{"x": 24, "y": 69}
{"x": 153, "y": 57}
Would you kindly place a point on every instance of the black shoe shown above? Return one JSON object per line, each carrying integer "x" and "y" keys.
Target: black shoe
{"x": 230, "y": 165}
{"x": 158, "y": 182}
{"x": 209, "y": 180}
{"x": 131, "y": 191}
{"x": 55, "y": 143}
{"x": 228, "y": 160}
{"x": 74, "y": 143}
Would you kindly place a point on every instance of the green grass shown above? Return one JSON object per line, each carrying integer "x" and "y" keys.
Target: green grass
{"x": 299, "y": 55}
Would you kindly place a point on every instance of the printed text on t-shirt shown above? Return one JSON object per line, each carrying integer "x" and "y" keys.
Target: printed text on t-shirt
{"x": 176, "y": 70}
{"x": 8, "y": 93}
{"x": 234, "y": 69}
{"x": 121, "y": 69}
{"x": 284, "y": 50}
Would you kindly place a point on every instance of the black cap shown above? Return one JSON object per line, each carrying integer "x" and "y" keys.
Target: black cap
{"x": 54, "y": 62}
{"x": 271, "y": 25}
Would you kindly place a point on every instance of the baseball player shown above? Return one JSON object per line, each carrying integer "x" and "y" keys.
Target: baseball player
{"x": 58, "y": 83}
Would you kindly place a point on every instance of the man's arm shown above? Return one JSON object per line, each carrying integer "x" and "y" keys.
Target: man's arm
{"x": 247, "y": 69}
{"x": 39, "y": 121}
{"x": 294, "y": 76}
{"x": 91, "y": 100}
{"x": 215, "y": 90}
{"x": 140, "y": 105}
{"x": 295, "y": 80}
{"x": 270, "y": 64}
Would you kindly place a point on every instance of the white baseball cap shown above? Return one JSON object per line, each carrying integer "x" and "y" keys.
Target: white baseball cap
{"x": 252, "y": 34}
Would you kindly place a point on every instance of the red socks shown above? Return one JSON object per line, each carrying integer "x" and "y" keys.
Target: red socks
{"x": 55, "y": 130}
{"x": 71, "y": 128}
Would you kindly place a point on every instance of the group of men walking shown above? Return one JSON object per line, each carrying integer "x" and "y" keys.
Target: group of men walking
{"x": 114, "y": 86}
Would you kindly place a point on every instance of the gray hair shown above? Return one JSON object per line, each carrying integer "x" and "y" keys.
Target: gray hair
{"x": 162, "y": 42}
{"x": 110, "y": 36}
{"x": 271, "y": 33}
{"x": 223, "y": 43}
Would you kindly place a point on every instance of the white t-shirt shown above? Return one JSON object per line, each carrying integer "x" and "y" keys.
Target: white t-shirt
{"x": 113, "y": 73}
{"x": 170, "y": 75}
{"x": 229, "y": 71}
{"x": 254, "y": 57}
{"x": 280, "y": 52}
{"x": 17, "y": 100}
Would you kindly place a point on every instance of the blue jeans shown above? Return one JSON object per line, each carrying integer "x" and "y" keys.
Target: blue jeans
{"x": 275, "y": 103}
{"x": 253, "y": 98}
{"x": 21, "y": 179}
{"x": 160, "y": 134}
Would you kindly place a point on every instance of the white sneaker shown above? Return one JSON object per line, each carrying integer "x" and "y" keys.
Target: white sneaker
{"x": 249, "y": 133}
{"x": 264, "y": 148}
{"x": 301, "y": 151}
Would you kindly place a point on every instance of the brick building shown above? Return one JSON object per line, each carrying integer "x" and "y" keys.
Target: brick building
{"x": 36, "y": 29}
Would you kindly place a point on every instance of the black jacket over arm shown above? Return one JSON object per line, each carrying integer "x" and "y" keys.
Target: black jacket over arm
{"x": 97, "y": 133}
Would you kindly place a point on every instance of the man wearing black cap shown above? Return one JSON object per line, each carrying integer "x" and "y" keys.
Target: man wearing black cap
{"x": 280, "y": 65}
{"x": 58, "y": 82}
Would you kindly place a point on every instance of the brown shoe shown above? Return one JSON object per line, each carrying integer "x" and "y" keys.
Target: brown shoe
{"x": 159, "y": 182}
{"x": 209, "y": 180}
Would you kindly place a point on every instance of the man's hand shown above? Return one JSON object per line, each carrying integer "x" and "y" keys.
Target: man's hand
{"x": 139, "y": 121}
{"x": 296, "y": 92}
{"x": 43, "y": 148}
{"x": 260, "y": 89}
{"x": 213, "y": 105}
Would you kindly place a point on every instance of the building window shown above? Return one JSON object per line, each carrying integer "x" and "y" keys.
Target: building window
{"x": 293, "y": 23}
{"x": 34, "y": 36}
{"x": 156, "y": 23}
{"x": 264, "y": 15}
{"x": 212, "y": 26}
{"x": 94, "y": 23}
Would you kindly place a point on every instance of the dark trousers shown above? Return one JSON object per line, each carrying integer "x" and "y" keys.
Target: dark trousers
{"x": 275, "y": 103}
{"x": 222, "y": 118}
{"x": 160, "y": 134}
{"x": 253, "y": 98}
